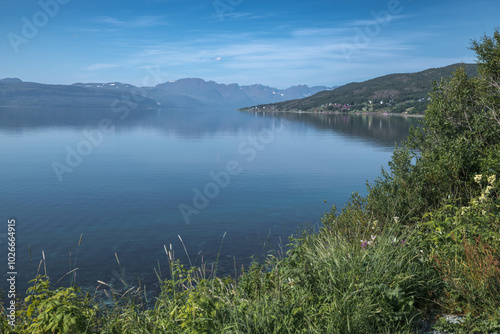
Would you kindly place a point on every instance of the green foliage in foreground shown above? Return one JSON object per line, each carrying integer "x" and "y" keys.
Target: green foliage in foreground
{"x": 423, "y": 244}
{"x": 460, "y": 138}
{"x": 326, "y": 284}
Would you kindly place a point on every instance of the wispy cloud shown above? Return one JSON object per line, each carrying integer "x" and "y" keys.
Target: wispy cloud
{"x": 236, "y": 15}
{"x": 382, "y": 20}
{"x": 99, "y": 67}
{"x": 283, "y": 57}
{"x": 136, "y": 22}
{"x": 303, "y": 55}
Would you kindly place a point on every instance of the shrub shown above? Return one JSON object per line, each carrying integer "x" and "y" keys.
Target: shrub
{"x": 64, "y": 310}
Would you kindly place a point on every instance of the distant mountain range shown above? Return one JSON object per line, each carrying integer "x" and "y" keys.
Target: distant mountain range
{"x": 183, "y": 93}
{"x": 394, "y": 93}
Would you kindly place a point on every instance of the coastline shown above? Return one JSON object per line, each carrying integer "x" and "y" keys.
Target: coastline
{"x": 330, "y": 112}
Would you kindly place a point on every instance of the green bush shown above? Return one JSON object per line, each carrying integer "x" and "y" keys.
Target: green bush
{"x": 459, "y": 139}
{"x": 65, "y": 310}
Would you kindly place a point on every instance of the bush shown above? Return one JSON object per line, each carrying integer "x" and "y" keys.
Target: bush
{"x": 459, "y": 139}
{"x": 65, "y": 310}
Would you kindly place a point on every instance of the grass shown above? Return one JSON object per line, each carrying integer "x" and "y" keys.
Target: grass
{"x": 325, "y": 284}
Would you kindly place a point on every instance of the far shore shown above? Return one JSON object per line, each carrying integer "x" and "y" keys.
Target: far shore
{"x": 331, "y": 112}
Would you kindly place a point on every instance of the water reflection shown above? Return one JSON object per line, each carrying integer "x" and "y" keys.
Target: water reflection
{"x": 196, "y": 123}
{"x": 383, "y": 129}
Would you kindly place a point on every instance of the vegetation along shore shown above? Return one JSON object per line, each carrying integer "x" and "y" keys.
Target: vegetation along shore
{"x": 403, "y": 93}
{"x": 421, "y": 249}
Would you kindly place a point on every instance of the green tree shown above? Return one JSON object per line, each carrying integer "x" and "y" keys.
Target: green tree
{"x": 460, "y": 138}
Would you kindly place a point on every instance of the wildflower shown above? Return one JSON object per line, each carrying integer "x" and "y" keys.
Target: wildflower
{"x": 373, "y": 237}
{"x": 364, "y": 243}
{"x": 403, "y": 242}
{"x": 488, "y": 190}
{"x": 478, "y": 178}
{"x": 396, "y": 219}
{"x": 467, "y": 208}
{"x": 492, "y": 179}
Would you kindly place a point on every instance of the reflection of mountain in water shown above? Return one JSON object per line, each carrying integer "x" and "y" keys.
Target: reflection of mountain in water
{"x": 17, "y": 119}
{"x": 196, "y": 123}
{"x": 383, "y": 129}
{"x": 182, "y": 122}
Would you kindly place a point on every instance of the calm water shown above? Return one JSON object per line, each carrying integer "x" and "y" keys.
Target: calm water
{"x": 139, "y": 182}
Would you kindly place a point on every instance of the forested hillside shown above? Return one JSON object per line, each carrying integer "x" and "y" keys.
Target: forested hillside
{"x": 394, "y": 93}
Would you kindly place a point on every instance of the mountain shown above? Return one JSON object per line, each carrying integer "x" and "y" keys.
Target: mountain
{"x": 109, "y": 85}
{"x": 261, "y": 93}
{"x": 183, "y": 93}
{"x": 7, "y": 80}
{"x": 212, "y": 93}
{"x": 199, "y": 90}
{"x": 195, "y": 92}
{"x": 16, "y": 93}
{"x": 404, "y": 92}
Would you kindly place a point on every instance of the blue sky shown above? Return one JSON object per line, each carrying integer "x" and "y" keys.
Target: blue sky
{"x": 275, "y": 43}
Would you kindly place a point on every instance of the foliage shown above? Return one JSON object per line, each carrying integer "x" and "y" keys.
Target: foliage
{"x": 353, "y": 222}
{"x": 65, "y": 310}
{"x": 472, "y": 277}
{"x": 480, "y": 219}
{"x": 469, "y": 325}
{"x": 366, "y": 286}
{"x": 457, "y": 141}
{"x": 464, "y": 243}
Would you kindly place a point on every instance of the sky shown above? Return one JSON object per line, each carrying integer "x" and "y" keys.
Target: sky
{"x": 273, "y": 42}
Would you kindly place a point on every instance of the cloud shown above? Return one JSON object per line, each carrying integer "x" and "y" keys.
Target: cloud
{"x": 99, "y": 67}
{"x": 377, "y": 20}
{"x": 310, "y": 55}
{"x": 136, "y": 22}
{"x": 304, "y": 55}
{"x": 244, "y": 15}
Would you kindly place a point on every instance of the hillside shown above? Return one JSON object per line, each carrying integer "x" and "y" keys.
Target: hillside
{"x": 394, "y": 93}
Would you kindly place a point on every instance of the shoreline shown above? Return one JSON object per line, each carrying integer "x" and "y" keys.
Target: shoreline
{"x": 332, "y": 112}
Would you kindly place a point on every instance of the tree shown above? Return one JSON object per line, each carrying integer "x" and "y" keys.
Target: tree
{"x": 460, "y": 138}
{"x": 488, "y": 53}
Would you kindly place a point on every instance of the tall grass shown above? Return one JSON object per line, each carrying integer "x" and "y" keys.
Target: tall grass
{"x": 326, "y": 284}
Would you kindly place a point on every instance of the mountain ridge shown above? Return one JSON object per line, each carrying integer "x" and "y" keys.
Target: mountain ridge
{"x": 182, "y": 93}
{"x": 392, "y": 93}
{"x": 406, "y": 93}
